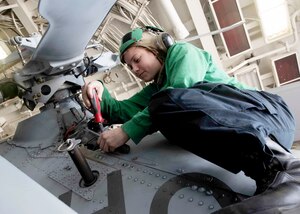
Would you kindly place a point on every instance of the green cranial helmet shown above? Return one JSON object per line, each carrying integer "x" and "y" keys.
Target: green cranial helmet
{"x": 148, "y": 37}
{"x": 134, "y": 36}
{"x": 130, "y": 38}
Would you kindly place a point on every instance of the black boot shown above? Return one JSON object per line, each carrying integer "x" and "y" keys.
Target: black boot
{"x": 278, "y": 185}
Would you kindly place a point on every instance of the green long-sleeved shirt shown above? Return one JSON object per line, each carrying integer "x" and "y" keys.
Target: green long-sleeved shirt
{"x": 185, "y": 65}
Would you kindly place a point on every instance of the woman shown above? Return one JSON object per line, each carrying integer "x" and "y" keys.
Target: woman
{"x": 195, "y": 105}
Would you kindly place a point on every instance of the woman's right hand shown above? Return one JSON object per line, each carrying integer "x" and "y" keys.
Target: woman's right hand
{"x": 87, "y": 92}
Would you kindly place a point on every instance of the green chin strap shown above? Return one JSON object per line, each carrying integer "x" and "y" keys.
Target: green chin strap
{"x": 130, "y": 38}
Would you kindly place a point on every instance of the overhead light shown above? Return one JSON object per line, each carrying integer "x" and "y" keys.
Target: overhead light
{"x": 274, "y": 19}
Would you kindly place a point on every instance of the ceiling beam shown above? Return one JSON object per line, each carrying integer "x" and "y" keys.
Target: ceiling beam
{"x": 202, "y": 27}
{"x": 24, "y": 15}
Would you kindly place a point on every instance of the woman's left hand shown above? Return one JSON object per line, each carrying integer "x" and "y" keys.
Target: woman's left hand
{"x": 111, "y": 139}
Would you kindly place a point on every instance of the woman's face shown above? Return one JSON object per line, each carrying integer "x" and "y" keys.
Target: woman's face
{"x": 142, "y": 62}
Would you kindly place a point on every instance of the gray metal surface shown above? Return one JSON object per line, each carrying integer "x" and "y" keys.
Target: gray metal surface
{"x": 31, "y": 133}
{"x": 155, "y": 177}
{"x": 20, "y": 194}
{"x": 67, "y": 174}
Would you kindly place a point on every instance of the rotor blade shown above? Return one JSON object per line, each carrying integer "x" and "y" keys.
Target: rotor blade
{"x": 72, "y": 23}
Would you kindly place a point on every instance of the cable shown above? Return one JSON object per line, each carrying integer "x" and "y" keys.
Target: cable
{"x": 15, "y": 23}
{"x": 102, "y": 50}
{"x": 86, "y": 67}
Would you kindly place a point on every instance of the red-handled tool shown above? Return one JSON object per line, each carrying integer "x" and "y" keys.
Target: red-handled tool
{"x": 98, "y": 120}
{"x": 96, "y": 107}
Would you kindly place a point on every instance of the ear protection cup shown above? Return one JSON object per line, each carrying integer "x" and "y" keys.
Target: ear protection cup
{"x": 167, "y": 40}
{"x": 164, "y": 40}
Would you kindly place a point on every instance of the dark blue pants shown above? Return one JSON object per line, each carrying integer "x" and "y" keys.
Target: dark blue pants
{"x": 221, "y": 123}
